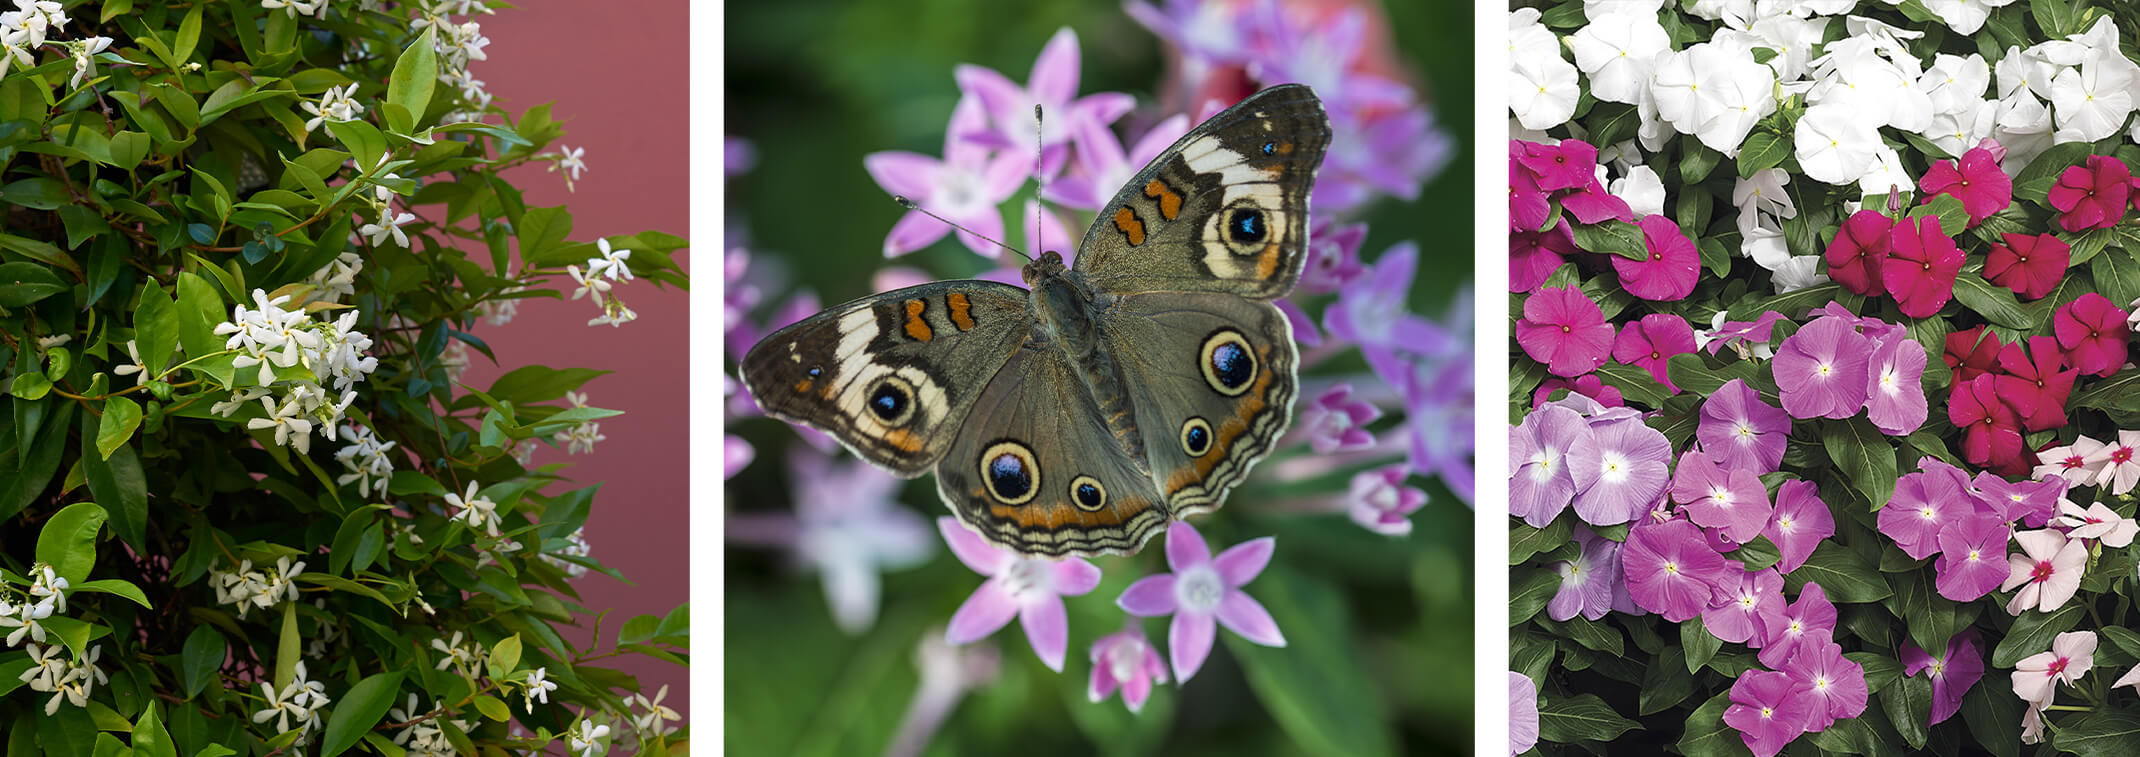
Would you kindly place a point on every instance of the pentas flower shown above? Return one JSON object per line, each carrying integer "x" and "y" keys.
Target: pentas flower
{"x": 1802, "y": 521}
{"x": 1953, "y": 673}
{"x": 1620, "y": 472}
{"x": 1586, "y": 385}
{"x": 2030, "y": 503}
{"x": 1052, "y": 85}
{"x": 1651, "y": 342}
{"x": 1769, "y": 709}
{"x": 2047, "y": 571}
{"x": 1202, "y": 590}
{"x": 1976, "y": 181}
{"x": 1991, "y": 431}
{"x": 1741, "y": 431}
{"x": 965, "y": 187}
{"x": 2076, "y": 463}
{"x": 1586, "y": 582}
{"x": 1895, "y": 396}
{"x": 1972, "y": 553}
{"x": 1334, "y": 257}
{"x": 1032, "y": 589}
{"x": 2035, "y": 381}
{"x": 1565, "y": 330}
{"x": 1671, "y": 268}
{"x": 1789, "y": 630}
{"x": 2030, "y": 265}
{"x": 1821, "y": 371}
{"x": 1731, "y": 501}
{"x": 2094, "y": 195}
{"x": 1670, "y": 568}
{"x": 1838, "y": 684}
{"x": 1921, "y": 264}
{"x": 1534, "y": 255}
{"x": 2118, "y": 463}
{"x": 2097, "y": 521}
{"x": 1749, "y": 597}
{"x": 1972, "y": 352}
{"x": 1335, "y": 422}
{"x": 1379, "y": 501}
{"x": 1923, "y": 503}
{"x": 1125, "y": 660}
{"x": 1103, "y": 166}
{"x": 2093, "y": 333}
{"x": 1540, "y": 484}
{"x": 1854, "y": 256}
{"x": 2037, "y": 676}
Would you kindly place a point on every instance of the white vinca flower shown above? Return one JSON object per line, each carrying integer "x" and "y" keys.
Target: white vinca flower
{"x": 1543, "y": 87}
{"x": 1833, "y": 145}
{"x": 1616, "y": 52}
{"x": 1964, "y": 16}
{"x": 2091, "y": 101}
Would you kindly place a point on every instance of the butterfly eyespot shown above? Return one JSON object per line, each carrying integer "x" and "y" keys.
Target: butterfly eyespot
{"x": 1196, "y": 437}
{"x": 891, "y": 400}
{"x": 1229, "y": 365}
{"x": 1010, "y": 473}
{"x": 1087, "y": 493}
{"x": 1270, "y": 148}
{"x": 1246, "y": 226}
{"x": 815, "y": 371}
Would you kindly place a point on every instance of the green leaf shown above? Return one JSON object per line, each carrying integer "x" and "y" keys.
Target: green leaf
{"x": 1762, "y": 151}
{"x": 1317, "y": 688}
{"x": 1525, "y": 542}
{"x": 1528, "y": 592}
{"x": 1613, "y": 237}
{"x": 494, "y": 708}
{"x": 1993, "y": 715}
{"x": 1842, "y": 574}
{"x": 200, "y": 310}
{"x": 2033, "y": 632}
{"x": 415, "y": 74}
{"x": 504, "y": 657}
{"x": 364, "y": 141}
{"x": 358, "y": 710}
{"x": 2101, "y": 733}
{"x": 1701, "y": 646}
{"x": 286, "y": 648}
{"x": 1995, "y": 303}
{"x": 203, "y": 656}
{"x": 23, "y": 282}
{"x": 36, "y": 193}
{"x": 1864, "y": 455}
{"x": 155, "y": 329}
{"x": 121, "y": 417}
{"x": 68, "y": 540}
{"x": 1583, "y": 717}
{"x": 1707, "y": 735}
{"x": 1635, "y": 384}
{"x": 1663, "y": 686}
{"x": 117, "y": 484}
{"x": 116, "y": 587}
{"x": 1909, "y": 708}
{"x": 150, "y": 738}
{"x": 2117, "y": 273}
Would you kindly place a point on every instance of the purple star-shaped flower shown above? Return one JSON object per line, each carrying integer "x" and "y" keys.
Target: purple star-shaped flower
{"x": 1972, "y": 556}
{"x": 966, "y": 187}
{"x": 1953, "y": 673}
{"x": 1030, "y": 588}
{"x": 1620, "y": 472}
{"x": 1768, "y": 709}
{"x": 1837, "y": 683}
{"x": 1052, "y": 86}
{"x": 1741, "y": 431}
{"x": 1540, "y": 484}
{"x": 1586, "y": 582}
{"x": 1790, "y": 629}
{"x": 2031, "y": 503}
{"x": 1335, "y": 422}
{"x": 1821, "y": 370}
{"x": 1370, "y": 312}
{"x": 1895, "y": 399}
{"x": 1750, "y": 597}
{"x": 1801, "y": 523}
{"x": 1670, "y": 568}
{"x": 1202, "y": 590}
{"x": 1923, "y": 504}
{"x": 1731, "y": 501}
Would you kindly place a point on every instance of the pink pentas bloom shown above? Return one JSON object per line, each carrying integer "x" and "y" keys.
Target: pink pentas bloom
{"x": 1837, "y": 683}
{"x": 1052, "y": 85}
{"x": 2076, "y": 463}
{"x": 1769, "y": 710}
{"x": 1670, "y": 568}
{"x": 1821, "y": 371}
{"x": 1572, "y": 164}
{"x": 1977, "y": 182}
{"x": 1789, "y": 630}
{"x": 1335, "y": 422}
{"x": 2030, "y": 503}
{"x": 1895, "y": 396}
{"x": 1586, "y": 385}
{"x": 1533, "y": 256}
{"x": 1651, "y": 342}
{"x": 1125, "y": 660}
{"x": 1333, "y": 257}
{"x": 1953, "y": 673}
{"x": 1032, "y": 589}
{"x": 966, "y": 187}
{"x": 1801, "y": 523}
{"x": 1854, "y": 256}
{"x": 2032, "y": 266}
{"x": 2097, "y": 521}
{"x": 1586, "y": 582}
{"x": 1565, "y": 330}
{"x": 1670, "y": 270}
{"x": 1741, "y": 431}
{"x": 1732, "y": 501}
{"x": 2118, "y": 463}
{"x": 2035, "y": 381}
{"x": 1923, "y": 504}
{"x": 1620, "y": 472}
{"x": 2092, "y": 196}
{"x": 1972, "y": 352}
{"x": 1379, "y": 501}
{"x": 1202, "y": 590}
{"x": 1921, "y": 264}
{"x": 1102, "y": 166}
{"x": 1972, "y": 557}
{"x": 1540, "y": 485}
{"x": 2072, "y": 655}
{"x": 1749, "y": 598}
{"x": 2093, "y": 333}
{"x": 1991, "y": 431}
{"x": 2047, "y": 571}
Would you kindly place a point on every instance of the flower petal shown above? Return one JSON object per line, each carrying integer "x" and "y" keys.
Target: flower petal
{"x": 913, "y": 232}
{"x": 1243, "y": 615}
{"x": 1054, "y": 77}
{"x": 1075, "y": 576}
{"x": 1047, "y": 628}
{"x": 1189, "y": 642}
{"x": 984, "y": 558}
{"x": 982, "y": 614}
{"x": 1242, "y": 562}
{"x": 904, "y": 173}
{"x": 1185, "y": 547}
{"x": 1150, "y": 596}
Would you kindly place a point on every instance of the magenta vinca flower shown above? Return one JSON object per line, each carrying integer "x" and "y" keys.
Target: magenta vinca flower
{"x": 966, "y": 187}
{"x": 1540, "y": 484}
{"x": 1586, "y": 385}
{"x": 1837, "y": 683}
{"x": 2036, "y": 382}
{"x": 2071, "y": 656}
{"x": 1125, "y": 660}
{"x": 2092, "y": 196}
{"x": 1953, "y": 673}
{"x": 1565, "y": 330}
{"x": 1052, "y": 85}
{"x": 1528, "y": 205}
{"x": 1335, "y": 422}
{"x": 1972, "y": 557}
{"x": 1977, "y": 182}
{"x": 1586, "y": 582}
{"x": 1895, "y": 398}
{"x": 1670, "y": 270}
{"x": 1650, "y": 343}
{"x": 1571, "y": 164}
{"x": 1923, "y": 504}
{"x": 1821, "y": 371}
{"x": 1801, "y": 523}
{"x": 1030, "y": 588}
{"x": 1769, "y": 709}
{"x": 1855, "y": 255}
{"x": 2092, "y": 331}
{"x": 1790, "y": 629}
{"x": 1200, "y": 590}
{"x": 1533, "y": 256}
{"x": 2030, "y": 265}
{"x": 1991, "y": 431}
{"x": 1921, "y": 264}
{"x": 1620, "y": 472}
{"x": 1670, "y": 568}
{"x": 1731, "y": 501}
{"x": 1750, "y": 598}
{"x": 1741, "y": 431}
{"x": 2047, "y": 570}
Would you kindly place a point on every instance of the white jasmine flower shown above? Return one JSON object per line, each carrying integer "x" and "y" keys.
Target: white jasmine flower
{"x": 610, "y": 263}
{"x": 573, "y": 161}
{"x": 379, "y": 232}
{"x": 477, "y": 512}
{"x": 84, "y": 61}
{"x": 538, "y": 687}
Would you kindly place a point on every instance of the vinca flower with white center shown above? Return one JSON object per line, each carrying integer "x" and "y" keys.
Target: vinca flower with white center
{"x": 476, "y": 512}
{"x": 538, "y": 686}
{"x": 388, "y": 228}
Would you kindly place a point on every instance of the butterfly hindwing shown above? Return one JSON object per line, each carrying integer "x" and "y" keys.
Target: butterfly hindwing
{"x": 891, "y": 375}
{"x": 1225, "y": 209}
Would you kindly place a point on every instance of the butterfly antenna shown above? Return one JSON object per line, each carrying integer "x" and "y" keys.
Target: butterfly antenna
{"x": 1040, "y": 180}
{"x": 909, "y": 205}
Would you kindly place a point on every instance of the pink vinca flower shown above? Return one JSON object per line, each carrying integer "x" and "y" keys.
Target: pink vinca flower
{"x": 1821, "y": 371}
{"x": 1741, "y": 431}
{"x": 1533, "y": 256}
{"x": 1125, "y": 660}
{"x": 2029, "y": 503}
{"x": 2092, "y": 196}
{"x": 1650, "y": 343}
{"x": 2093, "y": 333}
{"x": 1540, "y": 485}
{"x": 1586, "y": 582}
{"x": 1895, "y": 396}
{"x": 1991, "y": 431}
{"x": 1801, "y": 523}
{"x": 2030, "y": 265}
{"x": 1750, "y": 598}
{"x": 2097, "y": 521}
{"x": 1769, "y": 709}
{"x": 1922, "y": 505}
{"x": 1032, "y": 589}
{"x": 1732, "y": 501}
{"x": 1670, "y": 270}
{"x": 1790, "y": 629}
{"x": 2118, "y": 463}
{"x": 1953, "y": 674}
{"x": 1921, "y": 264}
{"x": 1855, "y": 255}
{"x": 1620, "y": 472}
{"x": 1972, "y": 557}
{"x": 1838, "y": 684}
{"x": 1670, "y": 568}
{"x": 2036, "y": 677}
{"x": 1565, "y": 330}
{"x": 1977, "y": 182}
{"x": 2036, "y": 382}
{"x": 1522, "y": 713}
{"x": 1202, "y": 590}
{"x": 2048, "y": 571}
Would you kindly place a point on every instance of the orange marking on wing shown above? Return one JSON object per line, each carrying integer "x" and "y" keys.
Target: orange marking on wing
{"x": 907, "y": 441}
{"x": 916, "y": 327}
{"x": 1054, "y": 515}
{"x": 961, "y": 310}
{"x": 803, "y": 386}
{"x": 1169, "y": 201}
{"x": 1285, "y": 148}
{"x": 1126, "y": 222}
{"x": 1248, "y": 406}
{"x": 1267, "y": 263}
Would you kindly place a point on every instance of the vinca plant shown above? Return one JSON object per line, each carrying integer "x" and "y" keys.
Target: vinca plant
{"x": 247, "y": 503}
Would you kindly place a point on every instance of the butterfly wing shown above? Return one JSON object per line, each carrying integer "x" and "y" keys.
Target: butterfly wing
{"x": 1225, "y": 209}
{"x": 1035, "y": 469}
{"x": 891, "y": 375}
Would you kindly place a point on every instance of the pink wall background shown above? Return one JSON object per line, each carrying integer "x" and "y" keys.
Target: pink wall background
{"x": 619, "y": 82}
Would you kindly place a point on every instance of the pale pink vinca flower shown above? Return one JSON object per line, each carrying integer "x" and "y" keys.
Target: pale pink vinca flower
{"x": 2048, "y": 570}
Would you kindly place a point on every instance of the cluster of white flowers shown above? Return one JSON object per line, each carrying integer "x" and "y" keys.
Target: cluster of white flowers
{"x": 335, "y": 280}
{"x": 464, "y": 659}
{"x": 48, "y": 597}
{"x": 458, "y": 44}
{"x": 313, "y": 8}
{"x": 596, "y": 282}
{"x": 366, "y": 459}
{"x": 576, "y": 546}
{"x": 302, "y": 700}
{"x": 581, "y": 438}
{"x": 650, "y": 718}
{"x": 425, "y": 739}
{"x": 502, "y": 311}
{"x": 248, "y": 588}
{"x": 25, "y": 28}
{"x": 270, "y": 336}
{"x": 67, "y": 680}
{"x": 336, "y": 104}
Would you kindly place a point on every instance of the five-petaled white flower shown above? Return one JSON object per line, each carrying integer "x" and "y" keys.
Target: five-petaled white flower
{"x": 379, "y": 232}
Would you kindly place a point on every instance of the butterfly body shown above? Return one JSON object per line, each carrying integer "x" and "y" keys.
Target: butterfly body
{"x": 1134, "y": 387}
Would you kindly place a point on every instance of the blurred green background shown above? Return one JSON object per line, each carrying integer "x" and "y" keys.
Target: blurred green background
{"x": 1379, "y": 630}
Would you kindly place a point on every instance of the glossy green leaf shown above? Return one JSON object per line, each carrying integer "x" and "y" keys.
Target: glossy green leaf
{"x": 22, "y": 283}
{"x": 204, "y": 654}
{"x": 415, "y": 75}
{"x": 122, "y": 417}
{"x": 117, "y": 483}
{"x": 1583, "y": 717}
{"x": 68, "y": 540}
{"x": 358, "y": 710}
